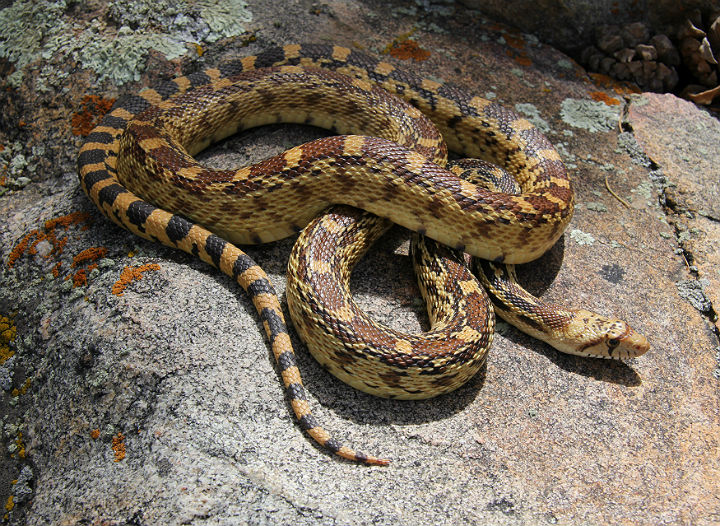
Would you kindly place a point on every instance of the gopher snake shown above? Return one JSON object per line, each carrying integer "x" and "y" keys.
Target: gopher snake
{"x": 137, "y": 172}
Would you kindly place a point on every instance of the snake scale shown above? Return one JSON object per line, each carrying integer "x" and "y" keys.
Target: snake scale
{"x": 137, "y": 167}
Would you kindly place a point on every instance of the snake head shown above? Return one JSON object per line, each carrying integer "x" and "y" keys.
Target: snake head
{"x": 604, "y": 337}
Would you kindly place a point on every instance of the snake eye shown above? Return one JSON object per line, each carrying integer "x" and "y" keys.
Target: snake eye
{"x": 613, "y": 342}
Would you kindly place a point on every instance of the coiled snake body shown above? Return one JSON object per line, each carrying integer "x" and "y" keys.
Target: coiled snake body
{"x": 137, "y": 167}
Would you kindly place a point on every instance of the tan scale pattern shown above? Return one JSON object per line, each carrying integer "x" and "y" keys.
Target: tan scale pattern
{"x": 370, "y": 356}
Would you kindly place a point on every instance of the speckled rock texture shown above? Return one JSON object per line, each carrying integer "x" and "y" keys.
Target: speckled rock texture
{"x": 138, "y": 388}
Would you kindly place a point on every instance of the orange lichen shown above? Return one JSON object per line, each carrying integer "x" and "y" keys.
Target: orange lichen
{"x": 523, "y": 60}
{"x": 95, "y": 434}
{"x": 518, "y": 52}
{"x": 603, "y": 97}
{"x": 79, "y": 278}
{"x": 130, "y": 274}
{"x": 10, "y": 504}
{"x": 621, "y": 88}
{"x": 8, "y": 333}
{"x": 20, "y": 248}
{"x": 30, "y": 241}
{"x": 93, "y": 110}
{"x": 49, "y": 233}
{"x": 20, "y": 445}
{"x": 514, "y": 42}
{"x": 23, "y": 389}
{"x": 74, "y": 218}
{"x": 118, "y": 446}
{"x": 86, "y": 256}
{"x": 89, "y": 254}
{"x": 408, "y": 49}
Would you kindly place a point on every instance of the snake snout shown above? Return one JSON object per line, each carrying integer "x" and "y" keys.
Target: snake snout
{"x": 634, "y": 343}
{"x": 604, "y": 337}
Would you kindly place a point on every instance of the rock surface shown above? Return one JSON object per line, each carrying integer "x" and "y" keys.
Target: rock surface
{"x": 162, "y": 405}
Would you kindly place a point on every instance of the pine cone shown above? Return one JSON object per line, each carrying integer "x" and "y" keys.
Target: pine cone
{"x": 699, "y": 41}
{"x": 628, "y": 53}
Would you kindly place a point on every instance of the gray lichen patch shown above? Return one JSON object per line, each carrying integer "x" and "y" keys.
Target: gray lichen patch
{"x": 693, "y": 291}
{"x": 589, "y": 115}
{"x": 30, "y": 31}
{"x": 16, "y": 166}
{"x": 628, "y": 144}
{"x": 22, "y": 490}
{"x": 6, "y": 374}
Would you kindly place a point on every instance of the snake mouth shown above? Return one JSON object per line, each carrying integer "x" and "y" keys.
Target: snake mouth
{"x": 637, "y": 342}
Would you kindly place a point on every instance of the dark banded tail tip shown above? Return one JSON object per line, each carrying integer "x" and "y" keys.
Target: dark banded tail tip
{"x": 372, "y": 461}
{"x": 362, "y": 458}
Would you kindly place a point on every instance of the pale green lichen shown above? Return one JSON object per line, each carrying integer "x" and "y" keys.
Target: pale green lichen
{"x": 589, "y": 114}
{"x": 638, "y": 99}
{"x": 567, "y": 156}
{"x": 32, "y": 30}
{"x": 596, "y": 207}
{"x": 581, "y": 238}
{"x": 121, "y": 59}
{"x": 562, "y": 148}
{"x": 24, "y": 27}
{"x": 533, "y": 115}
{"x": 192, "y": 21}
{"x": 646, "y": 190}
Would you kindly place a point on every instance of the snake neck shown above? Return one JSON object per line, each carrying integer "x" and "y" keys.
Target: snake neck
{"x": 572, "y": 331}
